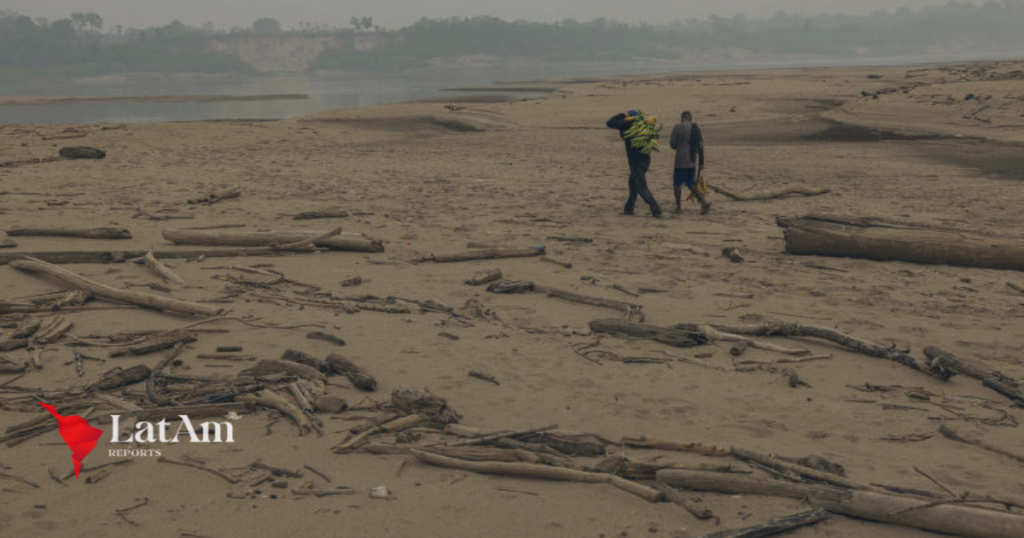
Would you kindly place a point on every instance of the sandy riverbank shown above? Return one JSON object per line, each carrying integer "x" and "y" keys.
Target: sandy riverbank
{"x": 425, "y": 179}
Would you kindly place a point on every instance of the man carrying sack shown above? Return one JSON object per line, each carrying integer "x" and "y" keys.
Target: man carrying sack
{"x": 638, "y": 153}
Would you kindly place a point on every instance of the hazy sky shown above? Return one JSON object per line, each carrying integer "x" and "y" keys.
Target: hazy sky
{"x": 393, "y": 13}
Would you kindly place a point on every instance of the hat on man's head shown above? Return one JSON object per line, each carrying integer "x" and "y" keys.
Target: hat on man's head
{"x": 633, "y": 113}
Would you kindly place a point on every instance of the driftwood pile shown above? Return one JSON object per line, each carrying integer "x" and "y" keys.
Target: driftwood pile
{"x": 294, "y": 386}
{"x": 547, "y": 454}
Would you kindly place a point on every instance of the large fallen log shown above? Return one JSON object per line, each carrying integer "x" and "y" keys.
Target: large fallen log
{"x": 876, "y": 240}
{"x": 486, "y": 254}
{"x": 797, "y": 330}
{"x": 951, "y": 517}
{"x": 350, "y": 242}
{"x": 770, "y": 195}
{"x": 665, "y": 335}
{"x": 125, "y": 296}
{"x": 82, "y": 233}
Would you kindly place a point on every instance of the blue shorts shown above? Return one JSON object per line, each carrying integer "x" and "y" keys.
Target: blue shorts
{"x": 685, "y": 176}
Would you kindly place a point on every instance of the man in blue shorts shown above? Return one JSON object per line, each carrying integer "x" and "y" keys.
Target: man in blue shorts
{"x": 688, "y": 142}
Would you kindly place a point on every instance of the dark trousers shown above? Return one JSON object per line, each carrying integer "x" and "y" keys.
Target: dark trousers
{"x": 638, "y": 187}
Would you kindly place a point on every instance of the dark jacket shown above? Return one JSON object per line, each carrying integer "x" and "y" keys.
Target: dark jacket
{"x": 696, "y": 144}
{"x": 634, "y": 155}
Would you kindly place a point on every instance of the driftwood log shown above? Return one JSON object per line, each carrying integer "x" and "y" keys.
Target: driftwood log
{"x": 804, "y": 471}
{"x": 309, "y": 243}
{"x": 361, "y": 379}
{"x": 125, "y": 296}
{"x": 326, "y": 337}
{"x": 775, "y": 526}
{"x": 156, "y": 342}
{"x": 51, "y": 331}
{"x": 949, "y": 518}
{"x": 271, "y": 368}
{"x": 769, "y": 195}
{"x": 82, "y": 152}
{"x": 484, "y": 277}
{"x": 716, "y": 335}
{"x": 322, "y": 214}
{"x": 158, "y": 267}
{"x": 119, "y": 377}
{"x": 631, "y": 310}
{"x": 424, "y": 404}
{"x": 531, "y": 470}
{"x": 219, "y": 196}
{"x": 272, "y": 400}
{"x": 953, "y": 435}
{"x": 396, "y": 425}
{"x": 81, "y": 233}
{"x": 876, "y": 240}
{"x": 486, "y": 254}
{"x": 305, "y": 358}
{"x": 356, "y": 243}
{"x": 799, "y": 330}
{"x": 991, "y": 378}
{"x": 665, "y": 335}
{"x": 659, "y": 444}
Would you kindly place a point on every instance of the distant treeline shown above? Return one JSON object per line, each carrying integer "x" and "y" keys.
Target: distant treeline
{"x": 81, "y": 44}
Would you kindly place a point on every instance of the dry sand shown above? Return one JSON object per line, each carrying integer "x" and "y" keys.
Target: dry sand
{"x": 427, "y": 180}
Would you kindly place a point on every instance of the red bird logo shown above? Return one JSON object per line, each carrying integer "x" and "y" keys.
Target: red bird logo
{"x": 80, "y": 437}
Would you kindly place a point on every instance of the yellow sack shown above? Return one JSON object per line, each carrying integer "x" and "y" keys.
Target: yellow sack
{"x": 702, "y": 188}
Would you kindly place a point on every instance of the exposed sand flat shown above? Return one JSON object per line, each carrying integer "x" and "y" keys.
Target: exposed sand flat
{"x": 425, "y": 180}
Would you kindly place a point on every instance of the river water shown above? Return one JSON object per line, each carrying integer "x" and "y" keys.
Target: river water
{"x": 326, "y": 91}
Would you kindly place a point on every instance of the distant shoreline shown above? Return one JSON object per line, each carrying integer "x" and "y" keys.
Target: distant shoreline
{"x": 229, "y": 101}
{"x": 48, "y": 100}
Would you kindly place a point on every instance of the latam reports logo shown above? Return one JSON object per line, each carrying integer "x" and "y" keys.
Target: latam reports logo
{"x": 82, "y": 438}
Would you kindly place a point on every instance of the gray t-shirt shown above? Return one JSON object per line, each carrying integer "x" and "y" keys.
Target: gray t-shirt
{"x": 681, "y": 142}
